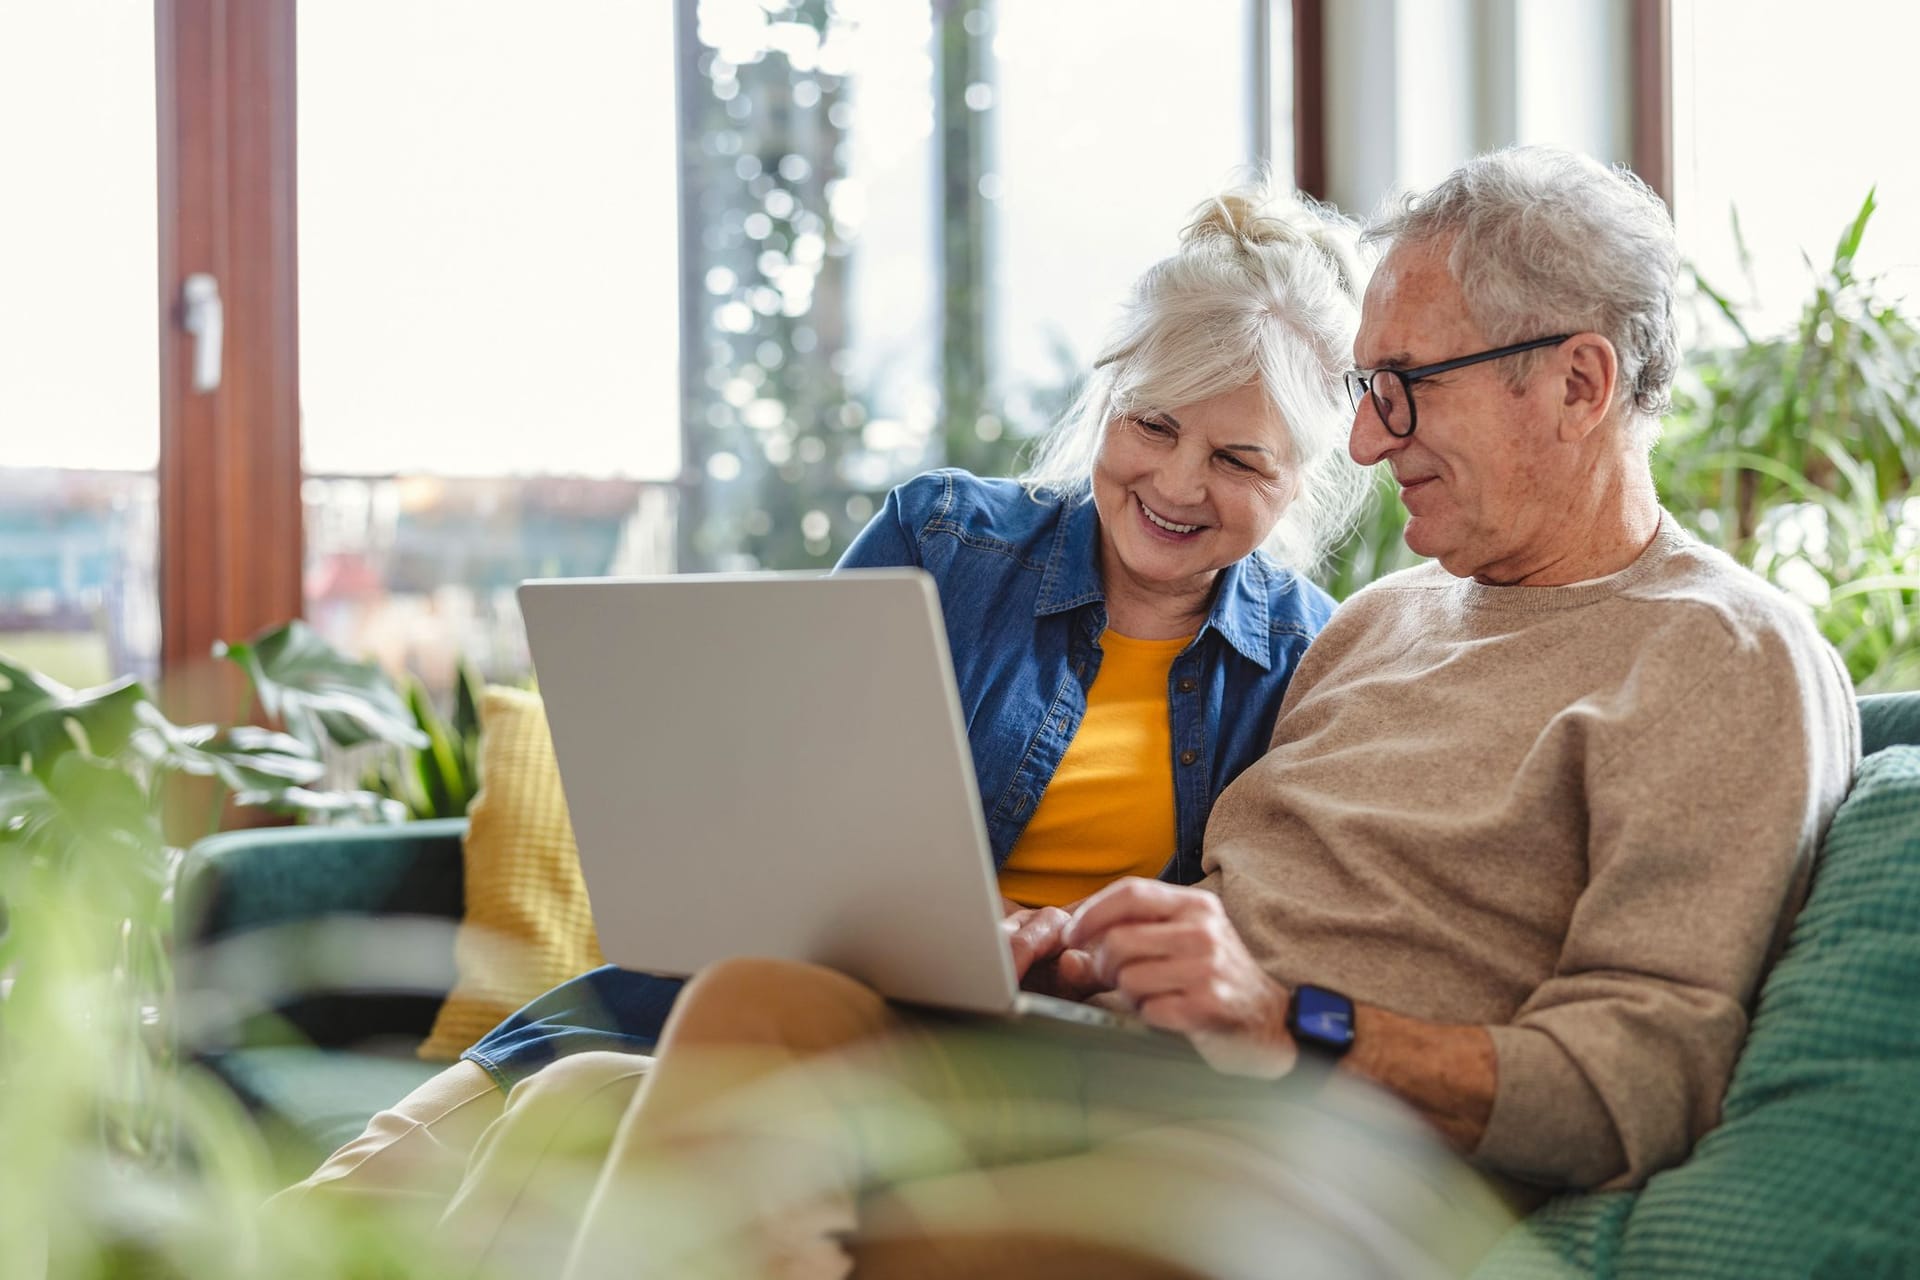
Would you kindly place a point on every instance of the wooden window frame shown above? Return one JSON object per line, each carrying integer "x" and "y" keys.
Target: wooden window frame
{"x": 1310, "y": 97}
{"x": 1651, "y": 53}
{"x": 231, "y": 542}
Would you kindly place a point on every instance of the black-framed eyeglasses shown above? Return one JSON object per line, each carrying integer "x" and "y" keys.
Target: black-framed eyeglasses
{"x": 1392, "y": 389}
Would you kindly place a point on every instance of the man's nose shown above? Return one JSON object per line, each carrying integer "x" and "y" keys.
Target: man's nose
{"x": 1369, "y": 441}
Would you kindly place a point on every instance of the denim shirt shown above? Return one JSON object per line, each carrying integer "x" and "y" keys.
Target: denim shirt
{"x": 1019, "y": 583}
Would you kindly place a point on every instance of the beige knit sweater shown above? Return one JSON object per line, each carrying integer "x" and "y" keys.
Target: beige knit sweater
{"x": 1582, "y": 816}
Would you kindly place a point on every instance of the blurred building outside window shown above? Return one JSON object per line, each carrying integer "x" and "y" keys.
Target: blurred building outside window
{"x": 489, "y": 334}
{"x": 79, "y": 364}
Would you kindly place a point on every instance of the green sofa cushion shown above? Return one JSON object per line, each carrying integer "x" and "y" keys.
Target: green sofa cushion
{"x": 1887, "y": 719}
{"x": 317, "y": 1099}
{"x": 1815, "y": 1169}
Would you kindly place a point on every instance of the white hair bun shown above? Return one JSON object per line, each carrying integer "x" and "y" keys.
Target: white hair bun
{"x": 1251, "y": 216}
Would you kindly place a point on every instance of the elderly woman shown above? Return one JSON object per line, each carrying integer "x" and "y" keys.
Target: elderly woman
{"x": 1123, "y": 621}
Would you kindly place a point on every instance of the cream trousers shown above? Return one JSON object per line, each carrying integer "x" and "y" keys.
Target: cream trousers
{"x": 796, "y": 1125}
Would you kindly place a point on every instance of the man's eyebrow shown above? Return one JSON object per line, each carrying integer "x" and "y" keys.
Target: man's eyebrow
{"x": 1398, "y": 360}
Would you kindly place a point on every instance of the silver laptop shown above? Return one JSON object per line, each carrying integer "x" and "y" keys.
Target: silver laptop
{"x": 775, "y": 765}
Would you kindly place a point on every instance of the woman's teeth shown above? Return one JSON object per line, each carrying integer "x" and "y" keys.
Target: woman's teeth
{"x": 1168, "y": 525}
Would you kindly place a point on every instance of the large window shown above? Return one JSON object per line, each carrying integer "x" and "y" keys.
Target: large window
{"x": 79, "y": 372}
{"x": 1792, "y": 163}
{"x": 606, "y": 288}
{"x": 489, "y": 344}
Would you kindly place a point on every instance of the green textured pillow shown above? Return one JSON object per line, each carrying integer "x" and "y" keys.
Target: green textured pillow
{"x": 1815, "y": 1170}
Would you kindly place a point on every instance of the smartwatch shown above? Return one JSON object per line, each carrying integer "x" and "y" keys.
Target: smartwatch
{"x": 1321, "y": 1023}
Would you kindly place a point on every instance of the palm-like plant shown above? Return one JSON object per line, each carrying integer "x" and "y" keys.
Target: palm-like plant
{"x": 1798, "y": 454}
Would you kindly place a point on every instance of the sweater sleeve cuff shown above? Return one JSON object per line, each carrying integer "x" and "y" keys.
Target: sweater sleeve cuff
{"x": 1548, "y": 1124}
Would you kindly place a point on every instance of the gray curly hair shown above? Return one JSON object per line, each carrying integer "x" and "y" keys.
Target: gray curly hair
{"x": 1263, "y": 287}
{"x": 1541, "y": 241}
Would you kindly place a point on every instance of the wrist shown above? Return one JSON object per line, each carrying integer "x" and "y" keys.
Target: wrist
{"x": 1449, "y": 1073}
{"x": 1321, "y": 1022}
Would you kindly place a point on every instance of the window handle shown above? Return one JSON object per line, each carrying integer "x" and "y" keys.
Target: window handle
{"x": 205, "y": 319}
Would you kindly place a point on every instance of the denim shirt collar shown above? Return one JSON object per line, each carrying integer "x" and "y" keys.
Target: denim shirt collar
{"x": 1240, "y": 611}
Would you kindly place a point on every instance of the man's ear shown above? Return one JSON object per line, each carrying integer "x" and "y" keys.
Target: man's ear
{"x": 1592, "y": 373}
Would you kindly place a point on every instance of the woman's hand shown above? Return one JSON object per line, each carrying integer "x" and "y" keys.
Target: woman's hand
{"x": 1041, "y": 959}
{"x": 1171, "y": 952}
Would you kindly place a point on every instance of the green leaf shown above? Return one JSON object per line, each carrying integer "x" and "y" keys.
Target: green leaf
{"x": 467, "y": 692}
{"x": 243, "y": 758}
{"x": 91, "y": 816}
{"x": 1897, "y": 584}
{"x": 28, "y": 810}
{"x": 321, "y": 694}
{"x": 365, "y": 806}
{"x": 105, "y": 802}
{"x": 39, "y": 718}
{"x": 1724, "y": 305}
{"x": 439, "y": 763}
{"x": 1849, "y": 246}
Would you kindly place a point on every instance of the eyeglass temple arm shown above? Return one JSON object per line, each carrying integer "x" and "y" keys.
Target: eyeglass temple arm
{"x": 1512, "y": 349}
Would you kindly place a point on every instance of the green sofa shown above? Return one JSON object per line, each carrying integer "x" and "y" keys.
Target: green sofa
{"x": 312, "y": 961}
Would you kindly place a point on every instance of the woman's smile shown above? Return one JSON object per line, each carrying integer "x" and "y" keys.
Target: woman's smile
{"x": 1160, "y": 526}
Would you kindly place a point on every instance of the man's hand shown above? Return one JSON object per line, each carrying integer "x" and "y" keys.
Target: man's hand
{"x": 1041, "y": 959}
{"x": 1171, "y": 952}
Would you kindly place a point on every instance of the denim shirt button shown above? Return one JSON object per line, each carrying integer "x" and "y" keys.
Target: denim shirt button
{"x": 1189, "y": 756}
{"x": 1187, "y": 684}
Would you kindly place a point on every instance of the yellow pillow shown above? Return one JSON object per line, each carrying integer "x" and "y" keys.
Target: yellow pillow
{"x": 527, "y": 926}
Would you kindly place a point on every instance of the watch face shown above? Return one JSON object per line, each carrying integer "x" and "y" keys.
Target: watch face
{"x": 1323, "y": 1015}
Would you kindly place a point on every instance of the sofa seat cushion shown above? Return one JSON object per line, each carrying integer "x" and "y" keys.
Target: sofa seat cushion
{"x": 317, "y": 1099}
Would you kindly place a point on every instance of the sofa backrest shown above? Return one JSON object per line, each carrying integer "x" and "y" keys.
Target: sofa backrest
{"x": 323, "y": 935}
{"x": 1887, "y": 719}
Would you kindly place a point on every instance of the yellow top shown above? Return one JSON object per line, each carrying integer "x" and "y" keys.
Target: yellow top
{"x": 1109, "y": 810}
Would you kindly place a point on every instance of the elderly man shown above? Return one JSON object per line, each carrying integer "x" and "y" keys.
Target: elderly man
{"x": 1535, "y": 817}
{"x": 1544, "y": 807}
